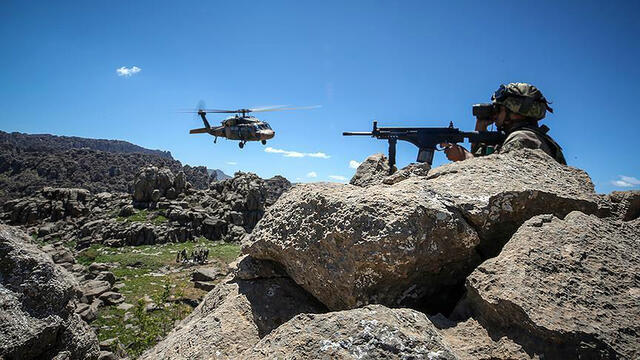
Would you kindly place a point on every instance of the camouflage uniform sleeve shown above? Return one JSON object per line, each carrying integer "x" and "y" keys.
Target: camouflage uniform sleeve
{"x": 523, "y": 139}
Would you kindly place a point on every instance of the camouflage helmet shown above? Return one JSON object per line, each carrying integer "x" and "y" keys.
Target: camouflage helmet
{"x": 522, "y": 98}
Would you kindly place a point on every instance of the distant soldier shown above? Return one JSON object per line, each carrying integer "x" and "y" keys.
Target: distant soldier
{"x": 184, "y": 255}
{"x": 518, "y": 108}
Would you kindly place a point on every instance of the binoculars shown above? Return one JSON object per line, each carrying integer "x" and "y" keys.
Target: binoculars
{"x": 485, "y": 111}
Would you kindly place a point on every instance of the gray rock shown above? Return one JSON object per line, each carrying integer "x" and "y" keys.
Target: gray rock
{"x": 106, "y": 276}
{"x": 563, "y": 288}
{"x": 232, "y": 318}
{"x": 37, "y": 296}
{"x": 372, "y": 171}
{"x": 112, "y": 298}
{"x": 145, "y": 182}
{"x": 624, "y": 205}
{"x": 372, "y": 332}
{"x": 165, "y": 180}
{"x": 411, "y": 243}
{"x": 108, "y": 344}
{"x": 206, "y": 274}
{"x": 155, "y": 195}
{"x": 93, "y": 288}
{"x": 98, "y": 267}
{"x": 413, "y": 169}
{"x": 126, "y": 211}
{"x": 107, "y": 355}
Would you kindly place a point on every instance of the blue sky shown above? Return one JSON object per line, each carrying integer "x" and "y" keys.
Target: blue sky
{"x": 399, "y": 62}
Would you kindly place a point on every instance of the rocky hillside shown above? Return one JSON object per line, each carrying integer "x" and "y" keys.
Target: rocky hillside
{"x": 510, "y": 256}
{"x": 30, "y": 162}
{"x": 46, "y": 142}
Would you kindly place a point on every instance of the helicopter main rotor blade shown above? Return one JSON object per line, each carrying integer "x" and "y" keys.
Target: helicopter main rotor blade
{"x": 268, "y": 108}
{"x": 285, "y": 108}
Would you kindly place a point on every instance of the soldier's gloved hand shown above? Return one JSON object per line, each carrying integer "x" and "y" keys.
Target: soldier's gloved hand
{"x": 456, "y": 152}
{"x": 483, "y": 124}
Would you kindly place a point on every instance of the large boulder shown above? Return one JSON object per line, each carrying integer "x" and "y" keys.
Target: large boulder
{"x": 233, "y": 317}
{"x": 563, "y": 288}
{"x": 372, "y": 332}
{"x": 37, "y": 296}
{"x": 411, "y": 242}
{"x": 372, "y": 171}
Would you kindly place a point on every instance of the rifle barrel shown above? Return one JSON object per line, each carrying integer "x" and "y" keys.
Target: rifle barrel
{"x": 350, "y": 133}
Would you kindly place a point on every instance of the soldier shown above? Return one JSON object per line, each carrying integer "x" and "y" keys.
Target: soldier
{"x": 518, "y": 108}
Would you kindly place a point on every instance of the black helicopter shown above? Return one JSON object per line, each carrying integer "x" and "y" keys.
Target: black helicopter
{"x": 241, "y": 126}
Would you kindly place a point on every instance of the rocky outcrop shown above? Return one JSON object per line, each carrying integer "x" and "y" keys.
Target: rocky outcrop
{"x": 37, "y": 312}
{"x": 233, "y": 317}
{"x": 54, "y": 204}
{"x": 373, "y": 170}
{"x": 411, "y": 243}
{"x": 371, "y": 332}
{"x": 174, "y": 211}
{"x": 563, "y": 288}
{"x": 153, "y": 183}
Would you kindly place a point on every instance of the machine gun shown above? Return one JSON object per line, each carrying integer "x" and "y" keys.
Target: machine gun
{"x": 427, "y": 138}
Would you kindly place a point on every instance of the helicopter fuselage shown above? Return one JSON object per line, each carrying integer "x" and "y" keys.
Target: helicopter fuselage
{"x": 246, "y": 128}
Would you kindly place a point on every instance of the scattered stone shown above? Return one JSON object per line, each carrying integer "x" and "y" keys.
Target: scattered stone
{"x": 206, "y": 274}
{"x": 112, "y": 298}
{"x": 124, "y": 306}
{"x": 93, "y": 288}
{"x": 109, "y": 344}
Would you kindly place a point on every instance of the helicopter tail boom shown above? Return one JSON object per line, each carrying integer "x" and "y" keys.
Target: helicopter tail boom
{"x": 199, "y": 131}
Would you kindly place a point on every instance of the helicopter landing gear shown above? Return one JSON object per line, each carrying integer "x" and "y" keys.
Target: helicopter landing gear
{"x": 241, "y": 144}
{"x": 264, "y": 142}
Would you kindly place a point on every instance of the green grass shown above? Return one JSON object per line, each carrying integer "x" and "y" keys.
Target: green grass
{"x": 139, "y": 216}
{"x": 139, "y": 271}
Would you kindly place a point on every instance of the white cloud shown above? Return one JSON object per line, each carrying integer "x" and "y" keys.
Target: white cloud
{"x": 312, "y": 174}
{"x": 296, "y": 154}
{"x": 354, "y": 164}
{"x": 127, "y": 72}
{"x": 337, "y": 177}
{"x": 626, "y": 181}
{"x": 318, "y": 155}
{"x": 232, "y": 163}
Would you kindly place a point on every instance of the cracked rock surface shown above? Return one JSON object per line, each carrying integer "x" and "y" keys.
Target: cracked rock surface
{"x": 36, "y": 305}
{"x": 564, "y": 288}
{"x": 371, "y": 332}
